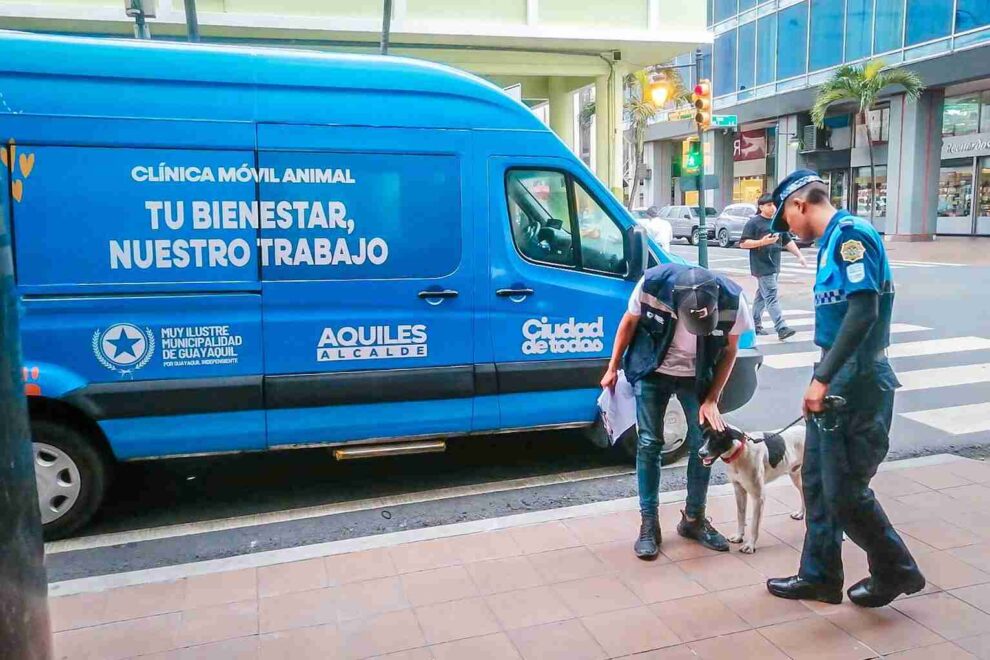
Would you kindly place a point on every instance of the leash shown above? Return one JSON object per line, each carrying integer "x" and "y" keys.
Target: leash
{"x": 832, "y": 404}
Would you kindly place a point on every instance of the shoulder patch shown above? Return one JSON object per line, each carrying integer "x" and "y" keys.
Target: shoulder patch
{"x": 852, "y": 251}
{"x": 856, "y": 272}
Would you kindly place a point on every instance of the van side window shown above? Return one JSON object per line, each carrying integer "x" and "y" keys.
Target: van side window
{"x": 551, "y": 215}
{"x": 602, "y": 246}
{"x": 540, "y": 216}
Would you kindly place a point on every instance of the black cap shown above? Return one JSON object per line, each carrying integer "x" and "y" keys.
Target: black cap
{"x": 765, "y": 198}
{"x": 795, "y": 181}
{"x": 696, "y": 299}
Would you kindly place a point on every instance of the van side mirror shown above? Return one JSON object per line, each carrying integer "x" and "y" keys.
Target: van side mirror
{"x": 637, "y": 253}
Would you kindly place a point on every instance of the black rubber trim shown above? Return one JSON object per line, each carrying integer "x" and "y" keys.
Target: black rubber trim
{"x": 337, "y": 389}
{"x": 162, "y": 398}
{"x": 485, "y": 379}
{"x": 548, "y": 375}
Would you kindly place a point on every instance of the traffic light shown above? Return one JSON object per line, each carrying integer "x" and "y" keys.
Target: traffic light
{"x": 702, "y": 98}
{"x": 691, "y": 157}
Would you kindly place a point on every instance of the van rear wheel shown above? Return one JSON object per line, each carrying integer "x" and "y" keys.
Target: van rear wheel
{"x": 674, "y": 436}
{"x": 71, "y": 476}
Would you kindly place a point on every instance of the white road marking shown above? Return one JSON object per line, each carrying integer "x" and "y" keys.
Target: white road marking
{"x": 924, "y": 379}
{"x": 924, "y": 264}
{"x": 798, "y": 312}
{"x": 904, "y": 350}
{"x": 810, "y": 334}
{"x": 955, "y": 420}
{"x": 269, "y": 558}
{"x": 237, "y": 522}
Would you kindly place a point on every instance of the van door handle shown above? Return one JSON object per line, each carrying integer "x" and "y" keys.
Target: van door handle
{"x": 440, "y": 293}
{"x": 514, "y": 293}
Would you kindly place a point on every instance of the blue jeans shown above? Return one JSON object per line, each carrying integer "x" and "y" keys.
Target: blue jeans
{"x": 652, "y": 395}
{"x": 766, "y": 298}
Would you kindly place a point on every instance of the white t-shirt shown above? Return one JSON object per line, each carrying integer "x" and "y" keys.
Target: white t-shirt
{"x": 683, "y": 350}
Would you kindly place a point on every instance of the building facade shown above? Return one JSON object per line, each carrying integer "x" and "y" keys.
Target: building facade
{"x": 544, "y": 50}
{"x": 931, "y": 155}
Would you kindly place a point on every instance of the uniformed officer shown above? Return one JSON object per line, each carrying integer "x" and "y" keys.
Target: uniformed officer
{"x": 854, "y": 297}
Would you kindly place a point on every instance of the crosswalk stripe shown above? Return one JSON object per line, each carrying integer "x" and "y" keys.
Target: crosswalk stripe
{"x": 905, "y": 350}
{"x": 798, "y": 312}
{"x": 923, "y": 379}
{"x": 955, "y": 420}
{"x": 797, "y": 323}
{"x": 810, "y": 334}
{"x": 902, "y": 262}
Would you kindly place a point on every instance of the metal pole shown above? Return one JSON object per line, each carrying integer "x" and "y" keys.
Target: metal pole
{"x": 141, "y": 30}
{"x": 702, "y": 219}
{"x": 24, "y": 628}
{"x": 386, "y": 26}
{"x": 192, "y": 21}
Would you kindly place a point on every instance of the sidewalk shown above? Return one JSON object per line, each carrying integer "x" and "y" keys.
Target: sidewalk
{"x": 556, "y": 584}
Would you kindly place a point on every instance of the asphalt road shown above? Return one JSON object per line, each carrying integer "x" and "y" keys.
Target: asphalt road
{"x": 168, "y": 512}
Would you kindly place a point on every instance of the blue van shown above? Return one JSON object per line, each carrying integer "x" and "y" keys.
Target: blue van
{"x": 221, "y": 249}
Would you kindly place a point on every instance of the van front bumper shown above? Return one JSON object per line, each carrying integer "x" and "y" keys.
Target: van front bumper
{"x": 743, "y": 380}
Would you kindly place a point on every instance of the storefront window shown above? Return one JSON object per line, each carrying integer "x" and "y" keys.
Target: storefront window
{"x": 955, "y": 197}
{"x": 792, "y": 41}
{"x": 836, "y": 180}
{"x": 747, "y": 189}
{"x": 972, "y": 14}
{"x": 961, "y": 115}
{"x": 889, "y": 25}
{"x": 862, "y": 192}
{"x": 859, "y": 29}
{"x": 983, "y": 201}
{"x": 927, "y": 20}
{"x": 725, "y": 63}
{"x": 826, "y": 23}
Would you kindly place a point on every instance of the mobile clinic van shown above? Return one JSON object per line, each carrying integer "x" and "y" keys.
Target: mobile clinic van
{"x": 227, "y": 250}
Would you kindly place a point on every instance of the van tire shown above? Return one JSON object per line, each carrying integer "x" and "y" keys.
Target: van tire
{"x": 82, "y": 467}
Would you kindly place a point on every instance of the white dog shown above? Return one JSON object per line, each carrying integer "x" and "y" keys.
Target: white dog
{"x": 753, "y": 462}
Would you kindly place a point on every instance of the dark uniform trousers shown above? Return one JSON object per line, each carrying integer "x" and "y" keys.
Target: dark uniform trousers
{"x": 838, "y": 467}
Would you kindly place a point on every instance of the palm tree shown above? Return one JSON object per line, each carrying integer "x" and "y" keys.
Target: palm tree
{"x": 862, "y": 85}
{"x": 640, "y": 109}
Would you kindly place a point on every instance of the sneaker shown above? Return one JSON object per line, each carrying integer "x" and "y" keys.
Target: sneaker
{"x": 700, "y": 529}
{"x": 785, "y": 334}
{"x": 648, "y": 544}
{"x": 762, "y": 331}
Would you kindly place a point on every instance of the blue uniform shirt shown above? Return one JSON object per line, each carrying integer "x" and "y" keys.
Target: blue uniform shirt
{"x": 851, "y": 258}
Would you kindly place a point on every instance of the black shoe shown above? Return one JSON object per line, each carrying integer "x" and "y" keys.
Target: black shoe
{"x": 786, "y": 333}
{"x": 762, "y": 331}
{"x": 794, "y": 588}
{"x": 869, "y": 593}
{"x": 648, "y": 544}
{"x": 700, "y": 529}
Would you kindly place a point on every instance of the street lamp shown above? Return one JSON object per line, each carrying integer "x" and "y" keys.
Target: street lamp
{"x": 660, "y": 89}
{"x": 140, "y": 10}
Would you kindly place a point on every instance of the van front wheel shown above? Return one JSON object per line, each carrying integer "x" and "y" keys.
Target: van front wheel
{"x": 71, "y": 475}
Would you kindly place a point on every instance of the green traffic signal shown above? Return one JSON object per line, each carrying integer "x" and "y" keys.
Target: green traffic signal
{"x": 692, "y": 163}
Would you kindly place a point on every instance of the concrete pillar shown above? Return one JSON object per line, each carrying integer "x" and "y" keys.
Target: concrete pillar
{"x": 789, "y": 158}
{"x": 663, "y": 171}
{"x": 608, "y": 130}
{"x": 722, "y": 166}
{"x": 562, "y": 110}
{"x": 913, "y": 166}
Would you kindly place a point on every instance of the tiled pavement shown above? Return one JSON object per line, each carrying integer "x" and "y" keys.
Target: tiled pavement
{"x": 568, "y": 588}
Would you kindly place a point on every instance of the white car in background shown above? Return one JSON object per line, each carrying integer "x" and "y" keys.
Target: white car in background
{"x": 659, "y": 230}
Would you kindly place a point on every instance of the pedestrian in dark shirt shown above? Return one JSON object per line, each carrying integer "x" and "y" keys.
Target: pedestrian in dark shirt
{"x": 764, "y": 264}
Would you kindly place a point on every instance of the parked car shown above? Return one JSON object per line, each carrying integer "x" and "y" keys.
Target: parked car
{"x": 658, "y": 229}
{"x": 684, "y": 221}
{"x": 729, "y": 224}
{"x": 260, "y": 255}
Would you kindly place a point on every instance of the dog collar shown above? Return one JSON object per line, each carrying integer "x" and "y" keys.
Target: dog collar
{"x": 738, "y": 451}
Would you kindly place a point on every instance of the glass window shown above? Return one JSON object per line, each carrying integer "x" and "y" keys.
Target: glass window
{"x": 539, "y": 216}
{"x": 745, "y": 72}
{"x": 725, "y": 63}
{"x": 927, "y": 20}
{"x": 724, "y": 9}
{"x": 602, "y": 242}
{"x": 859, "y": 29}
{"x": 955, "y": 197}
{"x": 746, "y": 4}
{"x": 862, "y": 192}
{"x": 983, "y": 207}
{"x": 961, "y": 115}
{"x": 879, "y": 119}
{"x": 792, "y": 41}
{"x": 826, "y": 28}
{"x": 985, "y": 113}
{"x": 766, "y": 40}
{"x": 972, "y": 14}
{"x": 889, "y": 25}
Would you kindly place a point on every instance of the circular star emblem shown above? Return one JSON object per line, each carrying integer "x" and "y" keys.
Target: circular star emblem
{"x": 124, "y": 344}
